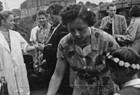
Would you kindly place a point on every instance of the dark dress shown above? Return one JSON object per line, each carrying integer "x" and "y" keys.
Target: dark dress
{"x": 49, "y": 54}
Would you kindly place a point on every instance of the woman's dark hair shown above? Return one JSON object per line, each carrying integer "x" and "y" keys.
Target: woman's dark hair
{"x": 4, "y": 15}
{"x": 72, "y": 12}
{"x": 42, "y": 12}
{"x": 134, "y": 11}
{"x": 127, "y": 55}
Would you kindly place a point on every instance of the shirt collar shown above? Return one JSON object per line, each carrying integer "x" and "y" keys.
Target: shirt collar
{"x": 133, "y": 83}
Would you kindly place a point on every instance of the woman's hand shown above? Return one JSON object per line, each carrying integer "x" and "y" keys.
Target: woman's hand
{"x": 39, "y": 46}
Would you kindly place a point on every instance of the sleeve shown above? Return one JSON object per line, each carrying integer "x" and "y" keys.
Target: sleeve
{"x": 60, "y": 53}
{"x": 109, "y": 43}
{"x": 23, "y": 43}
{"x": 124, "y": 25}
{"x": 131, "y": 31}
{"x": 1, "y": 58}
{"x": 32, "y": 35}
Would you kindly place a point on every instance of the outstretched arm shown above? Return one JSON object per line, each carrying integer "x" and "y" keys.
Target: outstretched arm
{"x": 56, "y": 77}
{"x": 58, "y": 73}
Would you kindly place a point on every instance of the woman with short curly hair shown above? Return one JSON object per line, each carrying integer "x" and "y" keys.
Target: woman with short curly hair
{"x": 81, "y": 12}
{"x": 79, "y": 49}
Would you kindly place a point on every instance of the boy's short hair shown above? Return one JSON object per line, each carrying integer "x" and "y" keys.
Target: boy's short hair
{"x": 110, "y": 5}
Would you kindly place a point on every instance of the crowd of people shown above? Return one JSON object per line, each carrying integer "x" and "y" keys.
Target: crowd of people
{"x": 66, "y": 46}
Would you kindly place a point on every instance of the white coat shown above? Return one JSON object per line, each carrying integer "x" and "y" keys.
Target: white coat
{"x": 12, "y": 64}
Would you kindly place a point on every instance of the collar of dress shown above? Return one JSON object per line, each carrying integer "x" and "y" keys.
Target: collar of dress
{"x": 133, "y": 83}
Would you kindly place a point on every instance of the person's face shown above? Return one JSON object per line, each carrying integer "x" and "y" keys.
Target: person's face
{"x": 111, "y": 11}
{"x": 9, "y": 22}
{"x": 42, "y": 20}
{"x": 78, "y": 29}
{"x": 55, "y": 19}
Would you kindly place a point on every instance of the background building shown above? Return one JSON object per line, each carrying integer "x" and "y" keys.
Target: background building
{"x": 30, "y": 7}
{"x": 1, "y": 6}
{"x": 17, "y": 12}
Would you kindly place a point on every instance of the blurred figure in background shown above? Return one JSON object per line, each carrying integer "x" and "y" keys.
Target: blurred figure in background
{"x": 54, "y": 10}
{"x": 113, "y": 23}
{"x": 132, "y": 38}
{"x": 40, "y": 34}
{"x": 58, "y": 31}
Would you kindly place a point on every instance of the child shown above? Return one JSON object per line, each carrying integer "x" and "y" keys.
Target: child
{"x": 124, "y": 63}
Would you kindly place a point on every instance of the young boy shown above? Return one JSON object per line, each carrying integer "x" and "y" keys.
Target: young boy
{"x": 124, "y": 63}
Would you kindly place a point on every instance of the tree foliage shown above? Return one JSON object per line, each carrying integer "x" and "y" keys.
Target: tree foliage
{"x": 1, "y": 6}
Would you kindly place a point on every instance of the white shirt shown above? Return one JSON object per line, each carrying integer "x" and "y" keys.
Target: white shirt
{"x": 33, "y": 34}
{"x": 134, "y": 83}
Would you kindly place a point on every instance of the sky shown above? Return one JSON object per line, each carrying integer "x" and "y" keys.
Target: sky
{"x": 11, "y": 4}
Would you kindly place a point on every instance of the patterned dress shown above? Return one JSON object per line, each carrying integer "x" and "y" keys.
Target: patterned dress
{"x": 42, "y": 36}
{"x": 90, "y": 74}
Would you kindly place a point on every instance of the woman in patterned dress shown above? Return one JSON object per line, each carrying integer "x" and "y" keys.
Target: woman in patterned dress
{"x": 79, "y": 49}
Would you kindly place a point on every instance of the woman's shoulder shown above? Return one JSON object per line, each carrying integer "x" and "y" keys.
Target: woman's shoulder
{"x": 14, "y": 32}
{"x": 129, "y": 91}
{"x": 66, "y": 40}
{"x": 101, "y": 33}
